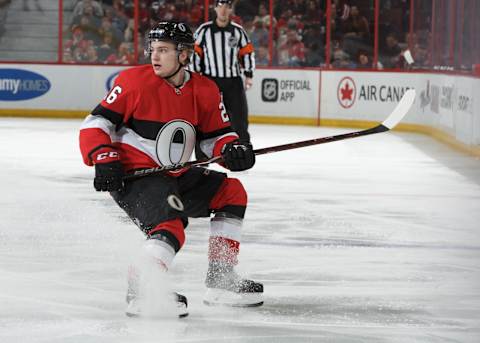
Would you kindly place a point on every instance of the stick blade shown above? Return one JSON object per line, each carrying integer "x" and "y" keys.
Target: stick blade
{"x": 401, "y": 110}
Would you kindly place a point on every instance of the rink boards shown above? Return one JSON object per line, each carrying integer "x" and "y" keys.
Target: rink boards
{"x": 447, "y": 105}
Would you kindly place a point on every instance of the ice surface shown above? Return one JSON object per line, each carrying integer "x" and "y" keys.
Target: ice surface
{"x": 375, "y": 239}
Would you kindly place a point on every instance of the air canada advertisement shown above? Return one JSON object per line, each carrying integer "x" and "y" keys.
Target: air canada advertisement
{"x": 362, "y": 96}
{"x": 445, "y": 102}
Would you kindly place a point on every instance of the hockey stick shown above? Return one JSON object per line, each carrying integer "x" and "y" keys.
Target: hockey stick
{"x": 392, "y": 120}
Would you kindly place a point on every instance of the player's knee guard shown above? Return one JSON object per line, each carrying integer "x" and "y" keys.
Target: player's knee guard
{"x": 230, "y": 198}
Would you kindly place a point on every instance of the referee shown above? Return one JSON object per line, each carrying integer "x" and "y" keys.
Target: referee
{"x": 222, "y": 48}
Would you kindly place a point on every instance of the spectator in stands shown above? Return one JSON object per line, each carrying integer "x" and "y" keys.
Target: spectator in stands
{"x": 342, "y": 9}
{"x": 313, "y": 39}
{"x": 77, "y": 41}
{"x": 390, "y": 54}
{"x": 117, "y": 17}
{"x": 263, "y": 16}
{"x": 314, "y": 55}
{"x": 420, "y": 56}
{"x": 420, "y": 51}
{"x": 169, "y": 13}
{"x": 292, "y": 52}
{"x": 363, "y": 60}
{"x": 259, "y": 34}
{"x": 297, "y": 6}
{"x": 313, "y": 14}
{"x": 80, "y": 54}
{"x": 80, "y": 6}
{"x": 340, "y": 12}
{"x": 125, "y": 54}
{"x": 88, "y": 12}
{"x": 106, "y": 51}
{"x": 312, "y": 34}
{"x": 261, "y": 56}
{"x": 356, "y": 32}
{"x": 283, "y": 21}
{"x": 340, "y": 58}
{"x": 92, "y": 56}
{"x": 108, "y": 28}
{"x": 89, "y": 29}
{"x": 144, "y": 14}
{"x": 246, "y": 9}
{"x": 67, "y": 56}
{"x": 129, "y": 32}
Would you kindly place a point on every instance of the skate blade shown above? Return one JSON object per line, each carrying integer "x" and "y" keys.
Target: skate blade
{"x": 221, "y": 297}
{"x": 134, "y": 311}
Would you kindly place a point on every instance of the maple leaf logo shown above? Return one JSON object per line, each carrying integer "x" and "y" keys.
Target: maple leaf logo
{"x": 346, "y": 92}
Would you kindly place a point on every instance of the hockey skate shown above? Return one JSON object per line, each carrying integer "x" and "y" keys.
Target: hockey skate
{"x": 138, "y": 306}
{"x": 149, "y": 293}
{"x": 226, "y": 287}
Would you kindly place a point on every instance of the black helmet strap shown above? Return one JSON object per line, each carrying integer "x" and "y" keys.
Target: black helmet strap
{"x": 180, "y": 66}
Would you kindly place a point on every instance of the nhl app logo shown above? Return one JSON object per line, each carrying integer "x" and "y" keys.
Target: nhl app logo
{"x": 269, "y": 90}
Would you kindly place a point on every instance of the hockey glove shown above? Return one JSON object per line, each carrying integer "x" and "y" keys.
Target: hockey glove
{"x": 108, "y": 170}
{"x": 238, "y": 156}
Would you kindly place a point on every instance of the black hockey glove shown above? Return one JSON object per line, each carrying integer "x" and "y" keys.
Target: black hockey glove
{"x": 108, "y": 170}
{"x": 238, "y": 156}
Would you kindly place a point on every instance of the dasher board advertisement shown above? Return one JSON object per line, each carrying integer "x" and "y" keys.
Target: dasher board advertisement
{"x": 284, "y": 93}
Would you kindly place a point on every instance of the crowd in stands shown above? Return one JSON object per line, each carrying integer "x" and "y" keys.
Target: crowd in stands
{"x": 299, "y": 33}
{"x": 102, "y": 31}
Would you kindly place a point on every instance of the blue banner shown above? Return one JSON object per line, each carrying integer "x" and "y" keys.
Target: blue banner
{"x": 19, "y": 84}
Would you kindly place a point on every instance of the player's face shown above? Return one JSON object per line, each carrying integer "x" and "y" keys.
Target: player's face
{"x": 164, "y": 58}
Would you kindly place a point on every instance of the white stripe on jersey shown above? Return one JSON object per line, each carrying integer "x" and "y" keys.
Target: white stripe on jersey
{"x": 96, "y": 122}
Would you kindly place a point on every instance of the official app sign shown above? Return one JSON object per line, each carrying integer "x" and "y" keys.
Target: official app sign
{"x": 285, "y": 93}
{"x": 19, "y": 84}
{"x": 283, "y": 90}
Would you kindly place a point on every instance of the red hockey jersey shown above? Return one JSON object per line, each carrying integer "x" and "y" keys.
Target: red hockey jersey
{"x": 151, "y": 123}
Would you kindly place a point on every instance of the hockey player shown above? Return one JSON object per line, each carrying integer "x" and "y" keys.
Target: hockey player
{"x": 153, "y": 116}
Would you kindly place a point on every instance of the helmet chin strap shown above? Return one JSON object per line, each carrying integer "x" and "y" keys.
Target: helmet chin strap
{"x": 180, "y": 66}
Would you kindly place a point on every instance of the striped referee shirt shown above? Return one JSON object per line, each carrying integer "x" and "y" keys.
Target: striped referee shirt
{"x": 222, "y": 51}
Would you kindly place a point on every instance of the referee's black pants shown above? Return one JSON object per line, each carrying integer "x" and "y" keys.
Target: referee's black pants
{"x": 235, "y": 101}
